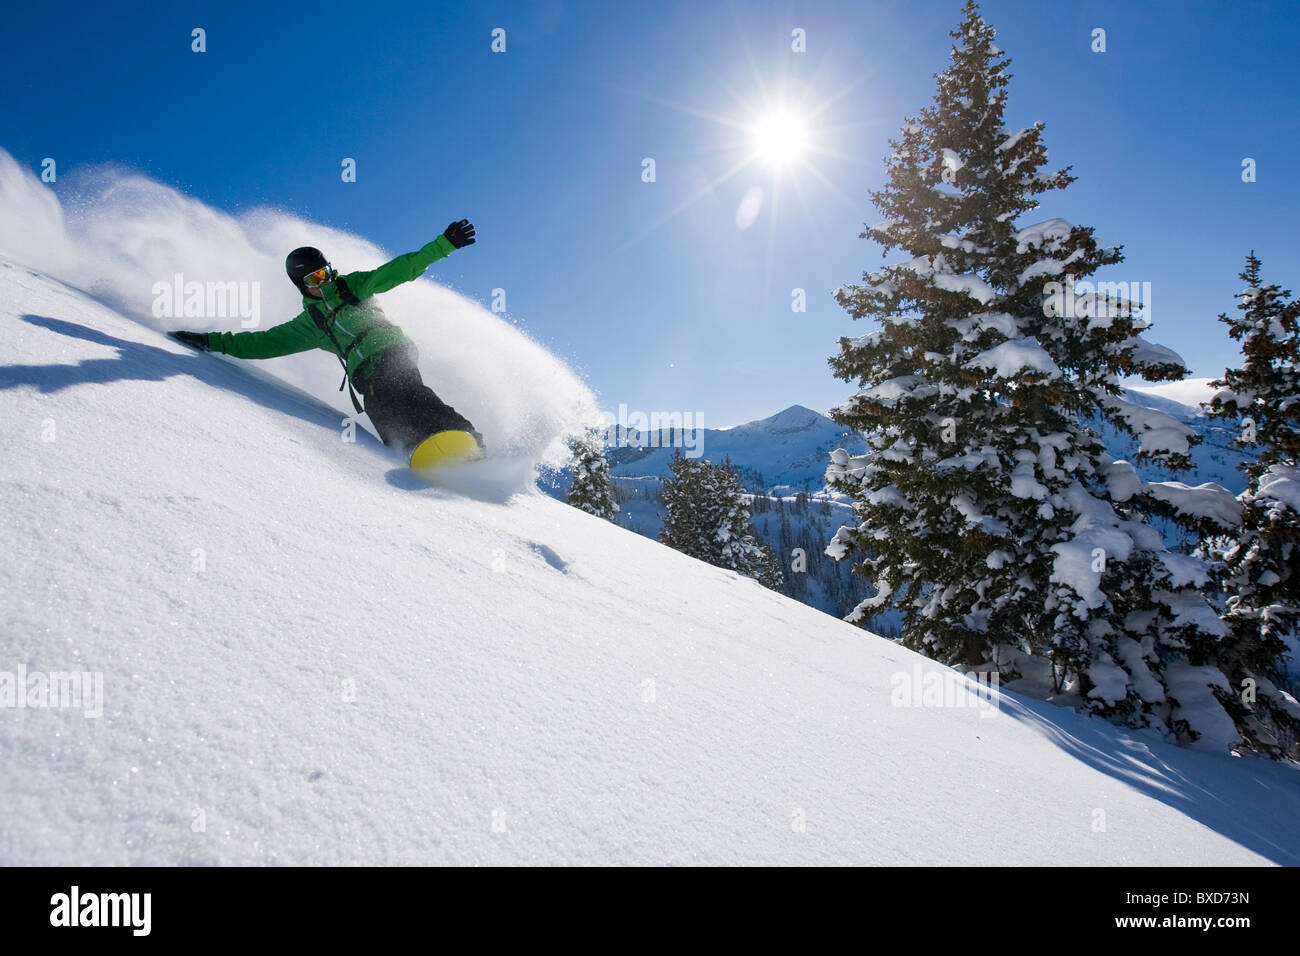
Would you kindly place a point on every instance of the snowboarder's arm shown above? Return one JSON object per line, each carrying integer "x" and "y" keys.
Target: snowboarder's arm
{"x": 457, "y": 235}
{"x": 297, "y": 335}
{"x": 402, "y": 269}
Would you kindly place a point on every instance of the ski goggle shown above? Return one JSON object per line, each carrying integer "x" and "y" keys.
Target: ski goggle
{"x": 314, "y": 280}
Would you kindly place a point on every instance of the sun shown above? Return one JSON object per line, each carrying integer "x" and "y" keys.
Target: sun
{"x": 774, "y": 137}
{"x": 780, "y": 138}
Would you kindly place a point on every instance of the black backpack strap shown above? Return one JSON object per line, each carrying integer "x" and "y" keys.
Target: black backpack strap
{"x": 345, "y": 293}
{"x": 357, "y": 341}
{"x": 322, "y": 320}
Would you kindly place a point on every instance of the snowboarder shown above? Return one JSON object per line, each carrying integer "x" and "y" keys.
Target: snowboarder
{"x": 341, "y": 316}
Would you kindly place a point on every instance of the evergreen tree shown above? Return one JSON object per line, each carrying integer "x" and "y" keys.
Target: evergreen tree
{"x": 592, "y": 489}
{"x": 1264, "y": 394}
{"x": 989, "y": 512}
{"x": 1260, "y": 566}
{"x": 796, "y": 584}
{"x": 708, "y": 518}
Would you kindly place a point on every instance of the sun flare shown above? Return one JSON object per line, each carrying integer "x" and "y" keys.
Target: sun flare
{"x": 780, "y": 138}
{"x": 772, "y": 140}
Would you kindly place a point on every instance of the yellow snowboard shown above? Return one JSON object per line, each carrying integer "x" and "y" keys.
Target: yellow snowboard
{"x": 443, "y": 449}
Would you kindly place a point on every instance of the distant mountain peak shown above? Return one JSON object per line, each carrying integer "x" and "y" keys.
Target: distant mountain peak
{"x": 794, "y": 418}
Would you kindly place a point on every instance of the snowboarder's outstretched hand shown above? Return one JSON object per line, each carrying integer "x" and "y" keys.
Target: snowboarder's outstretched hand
{"x": 195, "y": 340}
{"x": 460, "y": 234}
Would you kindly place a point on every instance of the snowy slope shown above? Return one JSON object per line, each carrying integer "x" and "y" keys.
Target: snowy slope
{"x": 1190, "y": 392}
{"x": 308, "y": 657}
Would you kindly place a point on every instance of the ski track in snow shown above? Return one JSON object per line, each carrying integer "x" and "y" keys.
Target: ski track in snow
{"x": 324, "y": 662}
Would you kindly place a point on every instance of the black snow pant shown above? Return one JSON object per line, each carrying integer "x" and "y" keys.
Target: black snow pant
{"x": 403, "y": 409}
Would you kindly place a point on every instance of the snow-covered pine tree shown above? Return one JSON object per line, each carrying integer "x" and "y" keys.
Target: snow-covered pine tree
{"x": 1263, "y": 396}
{"x": 989, "y": 512}
{"x": 592, "y": 489}
{"x": 708, "y": 518}
{"x": 1260, "y": 566}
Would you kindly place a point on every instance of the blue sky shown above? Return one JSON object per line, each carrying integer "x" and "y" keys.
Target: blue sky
{"x": 650, "y": 290}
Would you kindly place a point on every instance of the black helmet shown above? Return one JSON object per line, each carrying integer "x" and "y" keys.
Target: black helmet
{"x": 303, "y": 262}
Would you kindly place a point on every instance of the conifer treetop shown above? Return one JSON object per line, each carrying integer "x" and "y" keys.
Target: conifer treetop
{"x": 1266, "y": 389}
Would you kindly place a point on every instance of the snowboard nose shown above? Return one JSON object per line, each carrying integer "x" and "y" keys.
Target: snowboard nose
{"x": 445, "y": 448}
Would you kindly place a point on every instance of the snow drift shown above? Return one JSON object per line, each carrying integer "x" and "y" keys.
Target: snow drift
{"x": 308, "y": 658}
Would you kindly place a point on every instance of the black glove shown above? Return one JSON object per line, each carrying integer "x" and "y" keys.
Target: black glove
{"x": 195, "y": 340}
{"x": 460, "y": 234}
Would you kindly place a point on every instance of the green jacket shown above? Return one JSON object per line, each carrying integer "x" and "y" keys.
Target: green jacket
{"x": 347, "y": 322}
